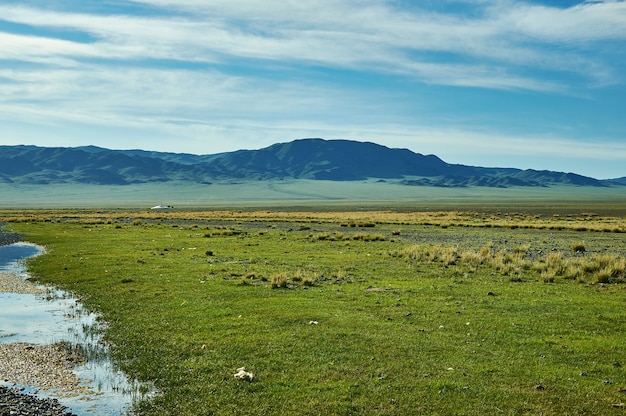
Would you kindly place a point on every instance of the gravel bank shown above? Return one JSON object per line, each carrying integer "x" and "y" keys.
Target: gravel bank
{"x": 10, "y": 282}
{"x": 14, "y": 402}
{"x": 45, "y": 367}
{"x": 7, "y": 237}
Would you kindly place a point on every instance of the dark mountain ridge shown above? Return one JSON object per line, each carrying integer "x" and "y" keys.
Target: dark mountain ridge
{"x": 316, "y": 159}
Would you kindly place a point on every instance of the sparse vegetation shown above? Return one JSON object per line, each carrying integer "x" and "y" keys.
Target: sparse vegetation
{"x": 595, "y": 268}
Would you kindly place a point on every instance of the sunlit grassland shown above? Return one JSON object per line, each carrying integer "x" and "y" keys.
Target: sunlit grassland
{"x": 370, "y": 312}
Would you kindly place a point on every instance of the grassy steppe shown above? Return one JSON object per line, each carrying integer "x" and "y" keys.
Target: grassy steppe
{"x": 306, "y": 193}
{"x": 391, "y": 313}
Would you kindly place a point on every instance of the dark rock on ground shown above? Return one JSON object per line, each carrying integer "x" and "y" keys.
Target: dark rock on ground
{"x": 8, "y": 238}
{"x": 14, "y": 403}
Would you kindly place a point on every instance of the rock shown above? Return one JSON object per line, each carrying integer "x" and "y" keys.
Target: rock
{"x": 13, "y": 402}
{"x": 244, "y": 375}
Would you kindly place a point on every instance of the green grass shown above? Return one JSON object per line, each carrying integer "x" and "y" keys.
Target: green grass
{"x": 400, "y": 330}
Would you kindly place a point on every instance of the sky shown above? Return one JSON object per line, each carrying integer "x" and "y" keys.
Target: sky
{"x": 530, "y": 84}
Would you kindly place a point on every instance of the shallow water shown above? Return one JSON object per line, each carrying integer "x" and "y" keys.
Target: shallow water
{"x": 56, "y": 317}
{"x": 12, "y": 255}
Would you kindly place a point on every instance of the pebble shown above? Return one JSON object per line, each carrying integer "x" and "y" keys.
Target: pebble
{"x": 47, "y": 367}
{"x": 14, "y": 402}
{"x": 44, "y": 367}
{"x": 11, "y": 282}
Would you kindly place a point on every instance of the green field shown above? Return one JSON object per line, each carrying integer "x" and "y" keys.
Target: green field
{"x": 517, "y": 311}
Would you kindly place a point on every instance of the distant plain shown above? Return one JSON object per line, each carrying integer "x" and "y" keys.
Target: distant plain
{"x": 309, "y": 193}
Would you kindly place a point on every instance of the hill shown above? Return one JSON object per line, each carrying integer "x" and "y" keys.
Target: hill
{"x": 313, "y": 159}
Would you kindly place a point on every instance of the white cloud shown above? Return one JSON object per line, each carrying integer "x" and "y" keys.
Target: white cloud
{"x": 161, "y": 97}
{"x": 582, "y": 23}
{"x": 370, "y": 35}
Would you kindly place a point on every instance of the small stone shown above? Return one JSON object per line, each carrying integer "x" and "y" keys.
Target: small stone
{"x": 244, "y": 375}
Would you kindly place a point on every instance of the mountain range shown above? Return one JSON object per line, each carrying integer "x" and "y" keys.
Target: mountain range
{"x": 316, "y": 159}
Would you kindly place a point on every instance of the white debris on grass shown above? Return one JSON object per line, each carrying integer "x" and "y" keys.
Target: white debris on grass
{"x": 244, "y": 375}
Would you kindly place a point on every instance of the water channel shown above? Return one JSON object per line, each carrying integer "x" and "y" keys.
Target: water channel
{"x": 58, "y": 317}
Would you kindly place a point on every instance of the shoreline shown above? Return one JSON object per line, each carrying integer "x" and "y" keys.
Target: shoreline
{"x": 45, "y": 367}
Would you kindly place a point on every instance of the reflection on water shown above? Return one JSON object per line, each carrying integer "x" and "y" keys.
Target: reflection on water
{"x": 32, "y": 319}
{"x": 12, "y": 255}
{"x": 56, "y": 317}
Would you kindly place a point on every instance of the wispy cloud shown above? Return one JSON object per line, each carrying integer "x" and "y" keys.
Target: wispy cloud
{"x": 343, "y": 34}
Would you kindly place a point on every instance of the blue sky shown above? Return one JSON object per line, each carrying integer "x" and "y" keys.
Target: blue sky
{"x": 509, "y": 83}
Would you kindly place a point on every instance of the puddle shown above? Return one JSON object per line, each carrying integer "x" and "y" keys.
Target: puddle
{"x": 57, "y": 317}
{"x": 12, "y": 255}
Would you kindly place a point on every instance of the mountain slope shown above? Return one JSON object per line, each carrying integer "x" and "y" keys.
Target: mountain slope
{"x": 318, "y": 159}
{"x": 327, "y": 160}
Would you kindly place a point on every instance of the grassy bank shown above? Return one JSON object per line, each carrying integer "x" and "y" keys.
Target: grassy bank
{"x": 352, "y": 312}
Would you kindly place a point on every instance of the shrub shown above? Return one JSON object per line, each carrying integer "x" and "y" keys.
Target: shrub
{"x": 521, "y": 250}
{"x": 471, "y": 258}
{"x": 321, "y": 236}
{"x": 279, "y": 281}
{"x": 572, "y": 271}
{"x": 298, "y": 276}
{"x": 603, "y": 276}
{"x": 609, "y": 268}
{"x": 548, "y": 276}
{"x": 340, "y": 274}
{"x": 448, "y": 255}
{"x": 368, "y": 237}
{"x": 578, "y": 247}
{"x": 485, "y": 252}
